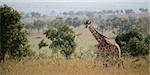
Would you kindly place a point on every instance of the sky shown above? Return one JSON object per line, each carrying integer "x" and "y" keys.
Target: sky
{"x": 45, "y": 6}
{"x": 75, "y": 0}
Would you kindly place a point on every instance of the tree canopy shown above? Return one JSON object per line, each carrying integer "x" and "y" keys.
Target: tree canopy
{"x": 133, "y": 42}
{"x": 13, "y": 37}
{"x": 62, "y": 38}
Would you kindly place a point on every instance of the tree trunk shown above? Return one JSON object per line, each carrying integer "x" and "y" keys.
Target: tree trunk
{"x": 2, "y": 56}
{"x": 67, "y": 56}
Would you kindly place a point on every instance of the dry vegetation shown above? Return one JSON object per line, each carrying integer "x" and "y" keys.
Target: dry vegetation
{"x": 75, "y": 66}
{"x": 71, "y": 67}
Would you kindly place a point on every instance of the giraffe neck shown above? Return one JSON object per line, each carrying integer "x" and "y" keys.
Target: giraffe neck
{"x": 99, "y": 37}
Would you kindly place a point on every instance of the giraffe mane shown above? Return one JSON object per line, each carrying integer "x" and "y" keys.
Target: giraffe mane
{"x": 98, "y": 32}
{"x": 103, "y": 36}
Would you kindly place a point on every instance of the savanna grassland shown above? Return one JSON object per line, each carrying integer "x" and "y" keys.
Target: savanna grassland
{"x": 44, "y": 64}
{"x": 62, "y": 43}
{"x": 71, "y": 67}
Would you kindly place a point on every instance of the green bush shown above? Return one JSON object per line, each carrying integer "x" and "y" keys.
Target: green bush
{"x": 133, "y": 42}
{"x": 62, "y": 38}
{"x": 13, "y": 37}
{"x": 42, "y": 44}
{"x": 137, "y": 47}
{"x": 147, "y": 39}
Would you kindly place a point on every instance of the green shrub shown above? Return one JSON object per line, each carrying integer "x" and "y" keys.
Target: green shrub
{"x": 13, "y": 37}
{"x": 137, "y": 47}
{"x": 133, "y": 42}
{"x": 62, "y": 38}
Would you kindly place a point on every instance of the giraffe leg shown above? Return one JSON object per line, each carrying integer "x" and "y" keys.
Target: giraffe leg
{"x": 109, "y": 61}
{"x": 105, "y": 62}
{"x": 97, "y": 59}
{"x": 120, "y": 63}
{"x": 117, "y": 61}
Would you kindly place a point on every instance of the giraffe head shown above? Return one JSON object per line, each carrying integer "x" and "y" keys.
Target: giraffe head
{"x": 87, "y": 23}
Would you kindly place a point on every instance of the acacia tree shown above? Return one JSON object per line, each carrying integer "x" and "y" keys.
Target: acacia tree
{"x": 62, "y": 38}
{"x": 13, "y": 38}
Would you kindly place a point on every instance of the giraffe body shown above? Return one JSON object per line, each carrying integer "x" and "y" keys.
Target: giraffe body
{"x": 106, "y": 49}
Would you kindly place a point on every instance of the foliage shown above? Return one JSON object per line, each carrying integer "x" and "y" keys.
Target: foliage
{"x": 42, "y": 44}
{"x": 143, "y": 24}
{"x": 75, "y": 22}
{"x": 13, "y": 37}
{"x": 38, "y": 24}
{"x": 137, "y": 47}
{"x": 143, "y": 10}
{"x": 35, "y": 14}
{"x": 123, "y": 24}
{"x": 28, "y": 26}
{"x": 147, "y": 39}
{"x": 62, "y": 38}
{"x": 132, "y": 42}
{"x": 56, "y": 22}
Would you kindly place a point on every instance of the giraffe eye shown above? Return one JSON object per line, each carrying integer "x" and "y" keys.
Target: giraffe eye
{"x": 86, "y": 26}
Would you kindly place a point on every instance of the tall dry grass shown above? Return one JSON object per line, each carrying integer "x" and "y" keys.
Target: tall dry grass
{"x": 71, "y": 67}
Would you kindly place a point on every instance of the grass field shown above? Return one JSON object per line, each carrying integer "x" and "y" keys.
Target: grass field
{"x": 84, "y": 66}
{"x": 71, "y": 67}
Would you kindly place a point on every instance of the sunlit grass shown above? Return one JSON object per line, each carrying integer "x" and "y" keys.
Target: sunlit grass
{"x": 71, "y": 67}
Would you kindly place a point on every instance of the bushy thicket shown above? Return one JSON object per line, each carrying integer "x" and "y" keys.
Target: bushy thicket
{"x": 13, "y": 37}
{"x": 133, "y": 42}
{"x": 62, "y": 38}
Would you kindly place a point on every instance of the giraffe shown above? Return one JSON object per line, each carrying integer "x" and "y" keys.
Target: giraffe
{"x": 106, "y": 49}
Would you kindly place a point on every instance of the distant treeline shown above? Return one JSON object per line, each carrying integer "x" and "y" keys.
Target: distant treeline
{"x": 85, "y": 13}
{"x": 116, "y": 23}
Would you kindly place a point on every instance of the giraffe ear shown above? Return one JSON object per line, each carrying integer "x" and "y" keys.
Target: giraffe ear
{"x": 87, "y": 23}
